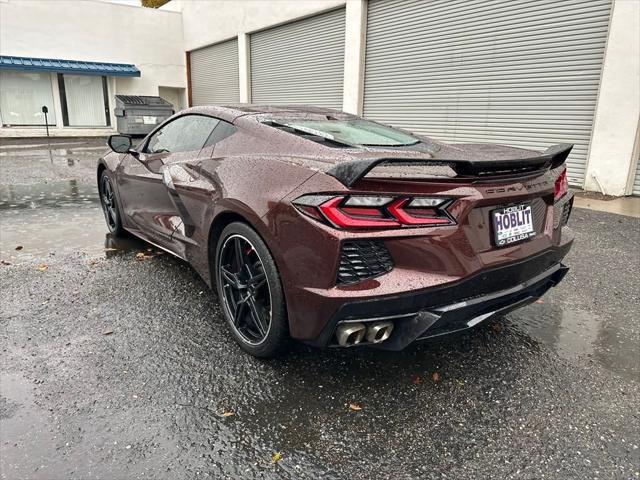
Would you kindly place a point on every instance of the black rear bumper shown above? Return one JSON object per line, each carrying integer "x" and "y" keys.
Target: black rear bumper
{"x": 457, "y": 306}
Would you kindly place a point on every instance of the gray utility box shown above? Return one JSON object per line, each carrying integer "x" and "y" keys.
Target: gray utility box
{"x": 138, "y": 114}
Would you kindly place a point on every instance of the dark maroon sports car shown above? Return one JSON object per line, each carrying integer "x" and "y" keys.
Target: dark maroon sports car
{"x": 337, "y": 231}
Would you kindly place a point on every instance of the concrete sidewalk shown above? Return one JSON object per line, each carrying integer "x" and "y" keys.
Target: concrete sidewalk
{"x": 629, "y": 206}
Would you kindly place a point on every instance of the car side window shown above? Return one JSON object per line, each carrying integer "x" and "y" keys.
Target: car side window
{"x": 222, "y": 131}
{"x": 184, "y": 134}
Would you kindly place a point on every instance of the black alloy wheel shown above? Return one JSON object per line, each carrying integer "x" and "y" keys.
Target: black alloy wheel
{"x": 250, "y": 292}
{"x": 245, "y": 289}
{"x": 110, "y": 205}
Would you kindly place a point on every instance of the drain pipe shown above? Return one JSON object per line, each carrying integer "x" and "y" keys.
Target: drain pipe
{"x": 595, "y": 177}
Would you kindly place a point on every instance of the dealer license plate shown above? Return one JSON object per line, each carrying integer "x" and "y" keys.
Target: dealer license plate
{"x": 512, "y": 224}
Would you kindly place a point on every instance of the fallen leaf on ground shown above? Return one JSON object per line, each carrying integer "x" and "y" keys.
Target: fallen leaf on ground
{"x": 417, "y": 380}
{"x": 228, "y": 413}
{"x": 435, "y": 377}
{"x": 43, "y": 267}
{"x": 4, "y": 262}
{"x": 356, "y": 407}
{"x": 19, "y": 247}
{"x": 107, "y": 332}
{"x": 540, "y": 300}
{"x": 276, "y": 457}
{"x": 496, "y": 327}
{"x": 142, "y": 256}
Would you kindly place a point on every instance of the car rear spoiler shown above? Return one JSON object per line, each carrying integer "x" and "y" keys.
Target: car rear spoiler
{"x": 349, "y": 172}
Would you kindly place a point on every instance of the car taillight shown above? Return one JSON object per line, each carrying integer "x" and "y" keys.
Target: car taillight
{"x": 361, "y": 211}
{"x": 561, "y": 186}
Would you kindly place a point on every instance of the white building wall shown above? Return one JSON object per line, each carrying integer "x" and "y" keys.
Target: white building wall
{"x": 156, "y": 42}
{"x": 612, "y": 161}
{"x": 216, "y": 20}
{"x": 91, "y": 30}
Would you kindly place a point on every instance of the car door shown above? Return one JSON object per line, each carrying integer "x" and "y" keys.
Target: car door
{"x": 148, "y": 205}
{"x": 193, "y": 194}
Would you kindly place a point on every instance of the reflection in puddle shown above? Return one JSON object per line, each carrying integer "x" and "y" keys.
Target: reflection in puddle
{"x": 29, "y": 429}
{"x": 579, "y": 334}
{"x": 114, "y": 246}
{"x": 57, "y": 217}
{"x": 54, "y": 194}
{"x": 572, "y": 332}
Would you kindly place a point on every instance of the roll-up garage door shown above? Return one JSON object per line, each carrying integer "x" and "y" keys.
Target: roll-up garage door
{"x": 518, "y": 72}
{"x": 636, "y": 180}
{"x": 300, "y": 63}
{"x": 214, "y": 74}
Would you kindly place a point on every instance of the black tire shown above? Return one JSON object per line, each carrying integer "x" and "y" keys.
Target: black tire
{"x": 246, "y": 276}
{"x": 109, "y": 202}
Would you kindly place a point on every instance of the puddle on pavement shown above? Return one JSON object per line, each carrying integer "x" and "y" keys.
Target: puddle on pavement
{"x": 64, "y": 153}
{"x": 51, "y": 195}
{"x": 45, "y": 153}
{"x": 579, "y": 334}
{"x": 29, "y": 429}
{"x": 56, "y": 217}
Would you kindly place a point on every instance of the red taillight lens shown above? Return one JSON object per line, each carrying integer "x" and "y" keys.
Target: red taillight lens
{"x": 561, "y": 186}
{"x": 351, "y": 218}
{"x": 416, "y": 216}
{"x": 359, "y": 211}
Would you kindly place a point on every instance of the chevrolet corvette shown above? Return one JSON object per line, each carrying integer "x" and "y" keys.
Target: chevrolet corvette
{"x": 333, "y": 230}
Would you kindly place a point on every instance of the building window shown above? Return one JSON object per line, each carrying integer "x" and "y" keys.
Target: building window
{"x": 85, "y": 102}
{"x": 22, "y": 96}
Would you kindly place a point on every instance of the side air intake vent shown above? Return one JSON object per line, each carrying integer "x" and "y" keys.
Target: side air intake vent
{"x": 361, "y": 260}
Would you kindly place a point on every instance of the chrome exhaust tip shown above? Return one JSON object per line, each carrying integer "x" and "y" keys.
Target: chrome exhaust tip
{"x": 379, "y": 332}
{"x": 350, "y": 334}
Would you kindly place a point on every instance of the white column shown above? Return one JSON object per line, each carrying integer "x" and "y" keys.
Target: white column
{"x": 57, "y": 101}
{"x": 244, "y": 66}
{"x": 617, "y": 114}
{"x": 111, "y": 95}
{"x": 354, "y": 50}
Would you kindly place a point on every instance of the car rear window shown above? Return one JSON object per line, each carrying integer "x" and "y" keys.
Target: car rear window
{"x": 349, "y": 132}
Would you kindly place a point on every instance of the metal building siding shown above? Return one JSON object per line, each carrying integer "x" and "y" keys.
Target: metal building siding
{"x": 636, "y": 181}
{"x": 214, "y": 74}
{"x": 517, "y": 72}
{"x": 300, "y": 62}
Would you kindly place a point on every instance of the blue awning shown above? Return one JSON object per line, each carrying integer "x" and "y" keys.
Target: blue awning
{"x": 68, "y": 66}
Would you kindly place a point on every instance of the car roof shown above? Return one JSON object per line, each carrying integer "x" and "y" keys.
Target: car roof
{"x": 232, "y": 111}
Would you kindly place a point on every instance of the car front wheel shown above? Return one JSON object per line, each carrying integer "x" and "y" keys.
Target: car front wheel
{"x": 110, "y": 205}
{"x": 250, "y": 291}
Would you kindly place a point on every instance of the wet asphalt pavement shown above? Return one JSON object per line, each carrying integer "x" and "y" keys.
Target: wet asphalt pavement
{"x": 115, "y": 367}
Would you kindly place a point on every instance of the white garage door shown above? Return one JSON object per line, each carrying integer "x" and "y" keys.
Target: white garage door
{"x": 300, "y": 63}
{"x": 636, "y": 180}
{"x": 517, "y": 72}
{"x": 214, "y": 74}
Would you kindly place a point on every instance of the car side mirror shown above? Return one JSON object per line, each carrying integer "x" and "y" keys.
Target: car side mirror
{"x": 120, "y": 143}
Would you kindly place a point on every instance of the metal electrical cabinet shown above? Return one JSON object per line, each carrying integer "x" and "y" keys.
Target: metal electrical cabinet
{"x": 138, "y": 114}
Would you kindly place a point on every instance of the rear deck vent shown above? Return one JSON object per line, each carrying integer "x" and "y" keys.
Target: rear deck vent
{"x": 361, "y": 260}
{"x": 308, "y": 135}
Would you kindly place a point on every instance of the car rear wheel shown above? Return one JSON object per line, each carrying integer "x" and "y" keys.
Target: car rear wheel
{"x": 250, "y": 291}
{"x": 110, "y": 205}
